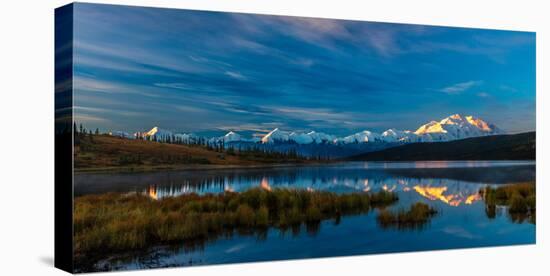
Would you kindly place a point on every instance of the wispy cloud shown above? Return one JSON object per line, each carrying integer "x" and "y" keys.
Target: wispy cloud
{"x": 121, "y": 66}
{"x": 508, "y": 88}
{"x": 94, "y": 85}
{"x": 126, "y": 57}
{"x": 103, "y": 111}
{"x": 175, "y": 85}
{"x": 88, "y": 84}
{"x": 460, "y": 87}
{"x": 260, "y": 127}
{"x": 483, "y": 95}
{"x": 308, "y": 114}
{"x": 84, "y": 119}
{"x": 235, "y": 75}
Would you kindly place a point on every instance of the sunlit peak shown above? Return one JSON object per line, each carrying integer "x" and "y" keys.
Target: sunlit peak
{"x": 153, "y": 131}
{"x": 478, "y": 123}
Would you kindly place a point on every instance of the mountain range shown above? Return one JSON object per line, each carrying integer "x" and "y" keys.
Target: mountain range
{"x": 454, "y": 127}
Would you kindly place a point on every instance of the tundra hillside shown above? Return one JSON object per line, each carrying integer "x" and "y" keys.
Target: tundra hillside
{"x": 104, "y": 152}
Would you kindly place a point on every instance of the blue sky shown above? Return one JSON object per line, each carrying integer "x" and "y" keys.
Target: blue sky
{"x": 209, "y": 72}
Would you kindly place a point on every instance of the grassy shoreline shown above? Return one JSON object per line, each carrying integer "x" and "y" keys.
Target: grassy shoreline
{"x": 118, "y": 222}
{"x": 191, "y": 167}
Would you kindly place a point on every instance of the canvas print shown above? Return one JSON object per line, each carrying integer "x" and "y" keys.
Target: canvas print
{"x": 202, "y": 137}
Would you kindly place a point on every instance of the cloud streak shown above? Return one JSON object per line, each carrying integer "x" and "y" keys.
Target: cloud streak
{"x": 460, "y": 87}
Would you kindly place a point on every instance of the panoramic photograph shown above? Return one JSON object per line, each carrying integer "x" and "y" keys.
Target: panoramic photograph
{"x": 204, "y": 138}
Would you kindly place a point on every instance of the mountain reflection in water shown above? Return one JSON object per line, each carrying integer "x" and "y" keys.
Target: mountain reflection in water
{"x": 453, "y": 193}
{"x": 450, "y": 183}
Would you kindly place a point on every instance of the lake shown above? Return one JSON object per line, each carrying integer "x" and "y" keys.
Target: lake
{"x": 449, "y": 186}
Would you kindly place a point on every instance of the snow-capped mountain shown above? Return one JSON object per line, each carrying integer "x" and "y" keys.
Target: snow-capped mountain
{"x": 276, "y": 135}
{"x": 321, "y": 138}
{"x": 186, "y": 138}
{"x": 456, "y": 127}
{"x": 364, "y": 136}
{"x": 451, "y": 128}
{"x": 158, "y": 133}
{"x": 394, "y": 136}
{"x": 231, "y": 137}
{"x": 302, "y": 138}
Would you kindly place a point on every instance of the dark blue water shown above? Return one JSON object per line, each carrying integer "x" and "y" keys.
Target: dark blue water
{"x": 451, "y": 187}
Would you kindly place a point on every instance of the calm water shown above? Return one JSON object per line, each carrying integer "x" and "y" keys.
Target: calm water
{"x": 451, "y": 187}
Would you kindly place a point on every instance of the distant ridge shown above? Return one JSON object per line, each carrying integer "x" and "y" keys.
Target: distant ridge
{"x": 496, "y": 147}
{"x": 453, "y": 127}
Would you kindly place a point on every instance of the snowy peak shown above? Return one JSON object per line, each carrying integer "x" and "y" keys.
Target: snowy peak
{"x": 158, "y": 132}
{"x": 301, "y": 138}
{"x": 186, "y": 138}
{"x": 394, "y": 136}
{"x": 232, "y": 137}
{"x": 482, "y": 125}
{"x": 431, "y": 127}
{"x": 453, "y": 119}
{"x": 455, "y": 127}
{"x": 320, "y": 138}
{"x": 468, "y": 121}
{"x": 276, "y": 135}
{"x": 362, "y": 137}
{"x": 152, "y": 132}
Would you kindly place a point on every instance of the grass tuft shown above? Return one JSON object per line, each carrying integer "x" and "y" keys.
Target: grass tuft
{"x": 416, "y": 217}
{"x": 519, "y": 198}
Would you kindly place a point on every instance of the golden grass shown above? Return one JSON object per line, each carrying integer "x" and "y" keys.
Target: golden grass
{"x": 519, "y": 198}
{"x": 108, "y": 151}
{"x": 103, "y": 152}
{"x": 117, "y": 222}
{"x": 416, "y": 217}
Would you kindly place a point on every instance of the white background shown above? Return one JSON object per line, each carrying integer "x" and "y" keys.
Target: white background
{"x": 26, "y": 136}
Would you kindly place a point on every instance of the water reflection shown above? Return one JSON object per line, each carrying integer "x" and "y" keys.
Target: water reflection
{"x": 452, "y": 199}
{"x": 265, "y": 184}
{"x": 466, "y": 218}
{"x": 451, "y": 192}
{"x": 450, "y": 183}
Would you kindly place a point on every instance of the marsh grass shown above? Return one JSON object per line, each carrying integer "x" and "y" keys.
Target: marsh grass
{"x": 116, "y": 222}
{"x": 519, "y": 198}
{"x": 416, "y": 217}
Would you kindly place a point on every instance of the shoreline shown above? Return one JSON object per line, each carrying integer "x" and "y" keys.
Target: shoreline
{"x": 130, "y": 169}
{"x": 160, "y": 168}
